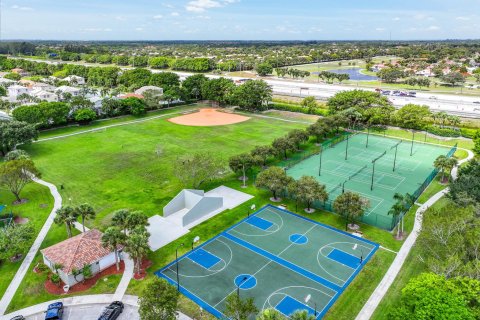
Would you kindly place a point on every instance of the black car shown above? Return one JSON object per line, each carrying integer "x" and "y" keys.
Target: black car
{"x": 18, "y": 318}
{"x": 112, "y": 311}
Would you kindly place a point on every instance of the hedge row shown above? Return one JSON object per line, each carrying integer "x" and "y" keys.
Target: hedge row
{"x": 298, "y": 108}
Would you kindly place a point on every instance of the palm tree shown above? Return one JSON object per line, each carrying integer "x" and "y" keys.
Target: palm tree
{"x": 86, "y": 212}
{"x": 136, "y": 219}
{"x": 137, "y": 247}
{"x": 119, "y": 219}
{"x": 302, "y": 315}
{"x": 270, "y": 314}
{"x": 68, "y": 216}
{"x": 450, "y": 164}
{"x": 441, "y": 163}
{"x": 396, "y": 210}
{"x": 111, "y": 239}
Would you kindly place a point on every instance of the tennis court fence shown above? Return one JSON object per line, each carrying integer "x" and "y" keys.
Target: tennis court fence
{"x": 301, "y": 156}
{"x": 376, "y": 219}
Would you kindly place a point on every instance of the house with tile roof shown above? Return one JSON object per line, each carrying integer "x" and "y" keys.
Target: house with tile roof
{"x": 73, "y": 254}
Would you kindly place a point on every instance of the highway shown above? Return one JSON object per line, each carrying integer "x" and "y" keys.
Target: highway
{"x": 459, "y": 105}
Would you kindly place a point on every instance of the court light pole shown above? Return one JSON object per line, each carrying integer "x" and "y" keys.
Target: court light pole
{"x": 176, "y": 259}
{"x": 320, "y": 163}
{"x": 239, "y": 285}
{"x": 346, "y": 148}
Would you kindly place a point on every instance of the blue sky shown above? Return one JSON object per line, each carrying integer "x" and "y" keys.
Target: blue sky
{"x": 240, "y": 19}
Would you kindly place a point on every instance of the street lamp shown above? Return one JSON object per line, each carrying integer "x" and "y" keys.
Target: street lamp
{"x": 240, "y": 284}
{"x": 195, "y": 240}
{"x": 307, "y": 298}
{"x": 176, "y": 258}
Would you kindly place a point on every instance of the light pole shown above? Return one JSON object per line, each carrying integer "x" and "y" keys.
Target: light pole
{"x": 176, "y": 259}
{"x": 240, "y": 284}
{"x": 307, "y": 298}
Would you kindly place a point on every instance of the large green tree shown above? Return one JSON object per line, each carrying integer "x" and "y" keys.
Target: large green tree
{"x": 241, "y": 163}
{"x": 412, "y": 116}
{"x": 274, "y": 179}
{"x": 193, "y": 86}
{"x": 158, "y": 300}
{"x": 196, "y": 169}
{"x": 16, "y": 174}
{"x": 253, "y": 95}
{"x": 430, "y": 296}
{"x": 219, "y": 90}
{"x": 15, "y": 240}
{"x": 351, "y": 206}
{"x": 310, "y": 190}
{"x": 264, "y": 69}
{"x": 85, "y": 212}
{"x": 165, "y": 80}
{"x": 13, "y": 133}
{"x": 237, "y": 308}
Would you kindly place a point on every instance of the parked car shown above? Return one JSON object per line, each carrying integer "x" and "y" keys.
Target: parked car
{"x": 412, "y": 94}
{"x": 54, "y": 311}
{"x": 18, "y": 318}
{"x": 112, "y": 311}
{"x": 476, "y": 102}
{"x": 386, "y": 92}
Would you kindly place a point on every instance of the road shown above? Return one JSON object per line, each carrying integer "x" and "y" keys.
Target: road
{"x": 89, "y": 312}
{"x": 459, "y": 105}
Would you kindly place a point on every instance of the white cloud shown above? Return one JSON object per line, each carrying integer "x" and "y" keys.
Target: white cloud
{"x": 203, "y": 5}
{"x": 380, "y": 29}
{"x": 22, "y": 8}
{"x": 139, "y": 29}
{"x": 462, "y": 18}
{"x": 120, "y": 18}
{"x": 396, "y": 19}
{"x": 175, "y": 14}
{"x": 433, "y": 28}
{"x": 168, "y": 5}
{"x": 158, "y": 17}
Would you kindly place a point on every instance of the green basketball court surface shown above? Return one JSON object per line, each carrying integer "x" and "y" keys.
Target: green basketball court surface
{"x": 282, "y": 260}
{"x": 347, "y": 166}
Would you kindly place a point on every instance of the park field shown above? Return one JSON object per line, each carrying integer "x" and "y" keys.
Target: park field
{"x": 133, "y": 165}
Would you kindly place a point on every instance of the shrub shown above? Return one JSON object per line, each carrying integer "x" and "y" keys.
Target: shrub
{"x": 55, "y": 278}
{"x": 443, "y": 132}
{"x": 298, "y": 108}
{"x": 85, "y": 115}
{"x": 13, "y": 76}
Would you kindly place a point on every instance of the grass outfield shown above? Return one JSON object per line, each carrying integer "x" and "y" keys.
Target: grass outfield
{"x": 132, "y": 166}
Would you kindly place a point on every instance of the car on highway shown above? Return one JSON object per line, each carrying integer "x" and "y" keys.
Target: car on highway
{"x": 476, "y": 102}
{"x": 54, "y": 311}
{"x": 18, "y": 318}
{"x": 112, "y": 311}
{"x": 433, "y": 98}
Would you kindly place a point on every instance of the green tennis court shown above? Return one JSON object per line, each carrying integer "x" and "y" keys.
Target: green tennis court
{"x": 348, "y": 166}
{"x": 282, "y": 260}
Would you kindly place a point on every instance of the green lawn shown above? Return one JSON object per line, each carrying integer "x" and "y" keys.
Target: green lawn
{"x": 133, "y": 166}
{"x": 432, "y": 189}
{"x": 37, "y": 209}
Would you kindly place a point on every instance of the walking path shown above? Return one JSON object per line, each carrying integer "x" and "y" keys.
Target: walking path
{"x": 17, "y": 279}
{"x": 377, "y": 296}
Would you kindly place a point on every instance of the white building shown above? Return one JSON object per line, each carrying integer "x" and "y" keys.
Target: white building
{"x": 67, "y": 89}
{"x": 75, "y": 80}
{"x": 85, "y": 249}
{"x": 15, "y": 90}
{"x": 44, "y": 95}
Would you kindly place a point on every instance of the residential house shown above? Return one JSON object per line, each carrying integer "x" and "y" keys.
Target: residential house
{"x": 43, "y": 86}
{"x": 67, "y": 89}
{"x": 75, "y": 80}
{"x": 21, "y": 72}
{"x": 15, "y": 90}
{"x": 73, "y": 254}
{"x": 44, "y": 95}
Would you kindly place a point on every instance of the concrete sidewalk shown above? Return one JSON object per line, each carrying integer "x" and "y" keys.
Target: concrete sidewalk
{"x": 17, "y": 279}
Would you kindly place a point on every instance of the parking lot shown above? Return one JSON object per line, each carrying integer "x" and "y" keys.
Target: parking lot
{"x": 90, "y": 312}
